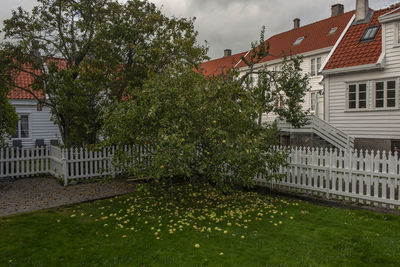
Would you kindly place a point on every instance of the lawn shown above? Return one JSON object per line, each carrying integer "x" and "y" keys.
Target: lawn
{"x": 198, "y": 226}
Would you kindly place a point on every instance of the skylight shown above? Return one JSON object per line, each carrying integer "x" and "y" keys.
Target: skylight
{"x": 299, "y": 40}
{"x": 332, "y": 31}
{"x": 370, "y": 33}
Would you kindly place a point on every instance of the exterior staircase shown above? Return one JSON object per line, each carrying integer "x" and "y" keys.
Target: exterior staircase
{"x": 322, "y": 129}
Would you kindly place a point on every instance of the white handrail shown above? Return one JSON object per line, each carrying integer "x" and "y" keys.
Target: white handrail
{"x": 324, "y": 130}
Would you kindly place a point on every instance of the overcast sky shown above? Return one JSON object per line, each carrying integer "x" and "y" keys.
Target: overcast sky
{"x": 235, "y": 24}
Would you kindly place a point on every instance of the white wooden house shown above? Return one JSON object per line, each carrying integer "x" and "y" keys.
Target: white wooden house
{"x": 362, "y": 78}
{"x": 35, "y": 126}
{"x": 353, "y": 59}
{"x": 314, "y": 42}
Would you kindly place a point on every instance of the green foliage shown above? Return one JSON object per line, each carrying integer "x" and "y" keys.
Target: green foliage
{"x": 8, "y": 117}
{"x": 276, "y": 92}
{"x": 192, "y": 126}
{"x": 281, "y": 92}
{"x": 83, "y": 55}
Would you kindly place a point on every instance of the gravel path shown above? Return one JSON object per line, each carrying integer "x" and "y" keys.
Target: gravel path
{"x": 24, "y": 195}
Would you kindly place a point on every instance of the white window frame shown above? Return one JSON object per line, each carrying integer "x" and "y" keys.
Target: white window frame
{"x": 315, "y": 95}
{"x": 314, "y": 66}
{"x": 357, "y": 84}
{"x": 19, "y": 127}
{"x": 397, "y": 34}
{"x": 384, "y": 81}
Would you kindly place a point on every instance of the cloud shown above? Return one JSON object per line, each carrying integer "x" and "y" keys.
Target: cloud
{"x": 235, "y": 24}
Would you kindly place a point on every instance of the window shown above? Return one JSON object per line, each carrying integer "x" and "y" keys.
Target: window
{"x": 277, "y": 68}
{"x": 370, "y": 33}
{"x": 385, "y": 94}
{"x": 279, "y": 102}
{"x": 357, "y": 96}
{"x": 313, "y": 102}
{"x": 299, "y": 40}
{"x": 332, "y": 31}
{"x": 397, "y": 34}
{"x": 22, "y": 127}
{"x": 315, "y": 66}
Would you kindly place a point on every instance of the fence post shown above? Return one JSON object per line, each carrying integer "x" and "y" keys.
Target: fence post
{"x": 111, "y": 157}
{"x": 329, "y": 172}
{"x": 64, "y": 166}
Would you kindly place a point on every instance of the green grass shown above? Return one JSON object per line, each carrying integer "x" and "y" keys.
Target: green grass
{"x": 155, "y": 227}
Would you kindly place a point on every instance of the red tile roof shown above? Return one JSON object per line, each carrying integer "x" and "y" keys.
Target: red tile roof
{"x": 25, "y": 80}
{"x": 281, "y": 45}
{"x": 216, "y": 66}
{"x": 316, "y": 37}
{"x": 351, "y": 52}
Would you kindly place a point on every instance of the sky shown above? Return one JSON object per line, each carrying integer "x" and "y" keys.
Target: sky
{"x": 234, "y": 24}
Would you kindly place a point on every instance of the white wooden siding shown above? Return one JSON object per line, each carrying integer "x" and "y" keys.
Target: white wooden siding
{"x": 40, "y": 124}
{"x": 381, "y": 124}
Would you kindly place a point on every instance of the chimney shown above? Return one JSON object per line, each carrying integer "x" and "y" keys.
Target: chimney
{"x": 35, "y": 48}
{"x": 296, "y": 23}
{"x": 337, "y": 9}
{"x": 227, "y": 53}
{"x": 362, "y": 9}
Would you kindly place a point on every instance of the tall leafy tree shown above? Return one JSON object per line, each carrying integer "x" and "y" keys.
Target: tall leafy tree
{"x": 192, "y": 126}
{"x": 83, "y": 55}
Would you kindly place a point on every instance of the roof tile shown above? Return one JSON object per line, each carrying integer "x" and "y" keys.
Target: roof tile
{"x": 351, "y": 52}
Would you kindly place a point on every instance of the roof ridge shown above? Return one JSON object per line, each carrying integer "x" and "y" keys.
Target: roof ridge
{"x": 313, "y": 23}
{"x": 392, "y": 8}
{"x": 231, "y": 56}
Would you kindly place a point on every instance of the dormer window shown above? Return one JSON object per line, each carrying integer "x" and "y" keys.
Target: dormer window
{"x": 332, "y": 31}
{"x": 370, "y": 33}
{"x": 299, "y": 40}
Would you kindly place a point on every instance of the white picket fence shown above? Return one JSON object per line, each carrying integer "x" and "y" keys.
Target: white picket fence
{"x": 367, "y": 177}
{"x": 23, "y": 162}
{"x": 362, "y": 176}
{"x": 66, "y": 164}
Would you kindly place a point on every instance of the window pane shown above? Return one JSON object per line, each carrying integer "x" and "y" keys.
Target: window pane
{"x": 318, "y": 64}
{"x": 313, "y": 67}
{"x": 391, "y": 84}
{"x": 379, "y": 103}
{"x": 352, "y": 96}
{"x": 24, "y": 126}
{"x": 362, "y": 96}
{"x": 391, "y": 93}
{"x": 379, "y": 94}
{"x": 370, "y": 33}
{"x": 379, "y": 86}
{"x": 313, "y": 101}
{"x": 17, "y": 131}
{"x": 398, "y": 32}
{"x": 362, "y": 92}
{"x": 391, "y": 103}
